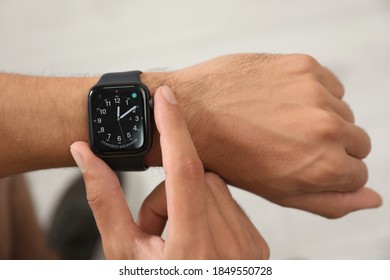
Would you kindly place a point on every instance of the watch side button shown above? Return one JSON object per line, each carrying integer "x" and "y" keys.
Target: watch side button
{"x": 151, "y": 103}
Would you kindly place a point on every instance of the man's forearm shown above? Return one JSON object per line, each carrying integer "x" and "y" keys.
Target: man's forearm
{"x": 39, "y": 119}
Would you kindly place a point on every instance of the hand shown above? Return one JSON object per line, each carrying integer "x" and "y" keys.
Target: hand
{"x": 276, "y": 125}
{"x": 204, "y": 220}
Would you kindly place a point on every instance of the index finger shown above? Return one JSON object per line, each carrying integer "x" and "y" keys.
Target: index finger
{"x": 185, "y": 183}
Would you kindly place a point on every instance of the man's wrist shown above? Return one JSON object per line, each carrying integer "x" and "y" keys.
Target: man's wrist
{"x": 188, "y": 91}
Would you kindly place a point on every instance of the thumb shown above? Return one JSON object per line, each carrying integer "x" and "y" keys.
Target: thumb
{"x": 333, "y": 204}
{"x": 105, "y": 197}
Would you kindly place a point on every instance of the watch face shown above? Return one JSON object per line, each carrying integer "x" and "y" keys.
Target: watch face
{"x": 119, "y": 120}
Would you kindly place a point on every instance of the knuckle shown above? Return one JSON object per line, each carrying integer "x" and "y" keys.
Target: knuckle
{"x": 335, "y": 172}
{"x": 214, "y": 181}
{"x": 338, "y": 209}
{"x": 304, "y": 62}
{"x": 329, "y": 172}
{"x": 191, "y": 168}
{"x": 94, "y": 197}
{"x": 338, "y": 170}
{"x": 329, "y": 125}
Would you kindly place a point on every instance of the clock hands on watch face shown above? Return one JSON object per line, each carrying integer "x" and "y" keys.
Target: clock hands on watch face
{"x": 125, "y": 114}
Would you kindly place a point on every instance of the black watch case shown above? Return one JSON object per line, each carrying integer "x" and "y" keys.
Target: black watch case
{"x": 120, "y": 120}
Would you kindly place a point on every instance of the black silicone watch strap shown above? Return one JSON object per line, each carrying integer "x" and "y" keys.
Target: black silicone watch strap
{"x": 125, "y": 162}
{"x": 120, "y": 78}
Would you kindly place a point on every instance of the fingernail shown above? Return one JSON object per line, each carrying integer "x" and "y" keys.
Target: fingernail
{"x": 168, "y": 95}
{"x": 78, "y": 159}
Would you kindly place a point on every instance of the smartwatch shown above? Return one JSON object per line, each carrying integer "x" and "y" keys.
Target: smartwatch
{"x": 120, "y": 120}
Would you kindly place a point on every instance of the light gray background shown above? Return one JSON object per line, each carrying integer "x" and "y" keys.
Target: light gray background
{"x": 352, "y": 37}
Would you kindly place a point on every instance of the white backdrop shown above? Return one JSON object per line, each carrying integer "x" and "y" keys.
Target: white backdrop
{"x": 352, "y": 37}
